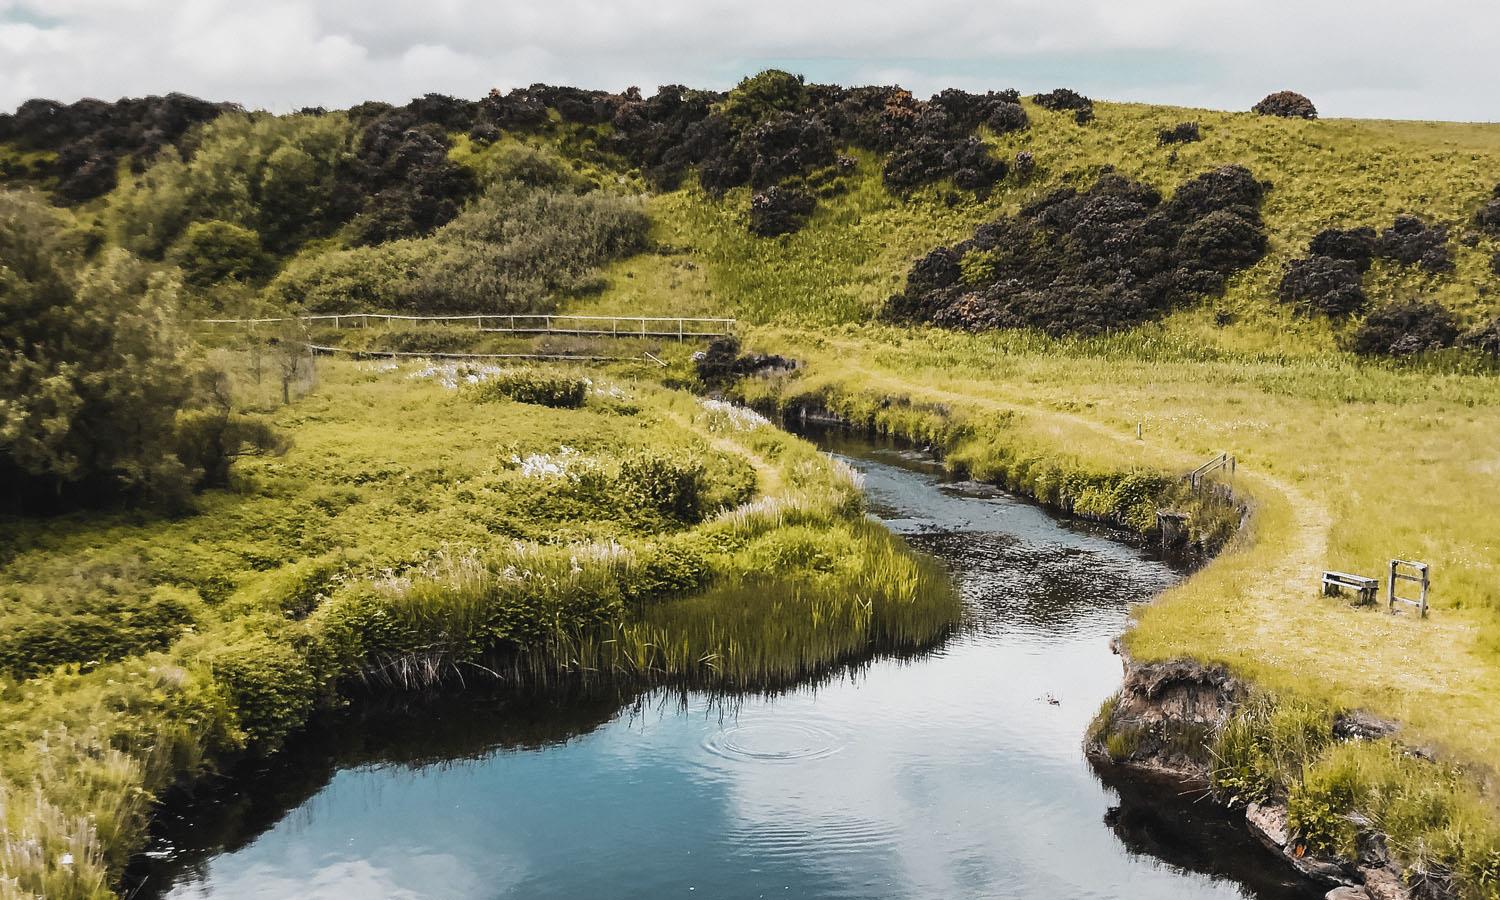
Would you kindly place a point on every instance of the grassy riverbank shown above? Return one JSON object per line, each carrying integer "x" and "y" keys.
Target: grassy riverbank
{"x": 421, "y": 528}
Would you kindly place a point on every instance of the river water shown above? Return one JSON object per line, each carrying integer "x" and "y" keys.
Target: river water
{"x": 955, "y": 773}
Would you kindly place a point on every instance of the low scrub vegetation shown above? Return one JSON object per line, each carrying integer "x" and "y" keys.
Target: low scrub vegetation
{"x": 512, "y": 251}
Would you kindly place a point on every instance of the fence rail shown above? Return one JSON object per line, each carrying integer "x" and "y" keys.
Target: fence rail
{"x": 1223, "y": 462}
{"x": 680, "y": 328}
{"x": 418, "y": 354}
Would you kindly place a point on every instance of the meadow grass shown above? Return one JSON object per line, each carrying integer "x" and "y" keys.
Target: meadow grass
{"x": 423, "y": 531}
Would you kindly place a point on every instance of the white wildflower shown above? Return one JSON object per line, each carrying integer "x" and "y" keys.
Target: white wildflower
{"x": 724, "y": 416}
{"x": 549, "y": 465}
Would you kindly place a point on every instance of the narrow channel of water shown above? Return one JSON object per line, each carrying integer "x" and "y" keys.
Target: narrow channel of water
{"x": 958, "y": 773}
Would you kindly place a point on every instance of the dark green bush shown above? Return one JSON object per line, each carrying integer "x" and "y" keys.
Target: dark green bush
{"x": 538, "y": 386}
{"x": 269, "y": 685}
{"x": 667, "y": 568}
{"x": 1402, "y": 329}
{"x": 95, "y": 624}
{"x": 211, "y": 252}
{"x": 670, "y": 485}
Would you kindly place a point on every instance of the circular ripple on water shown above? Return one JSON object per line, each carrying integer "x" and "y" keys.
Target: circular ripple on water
{"x": 774, "y": 740}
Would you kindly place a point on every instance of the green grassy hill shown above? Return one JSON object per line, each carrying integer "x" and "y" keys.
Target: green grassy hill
{"x": 855, "y": 250}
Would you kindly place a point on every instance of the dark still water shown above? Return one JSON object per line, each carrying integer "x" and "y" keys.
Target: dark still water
{"x": 958, "y": 773}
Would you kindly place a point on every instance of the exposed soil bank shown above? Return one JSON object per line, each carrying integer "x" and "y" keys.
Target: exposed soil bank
{"x": 1162, "y": 722}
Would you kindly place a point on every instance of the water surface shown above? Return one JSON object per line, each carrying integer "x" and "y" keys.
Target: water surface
{"x": 957, "y": 773}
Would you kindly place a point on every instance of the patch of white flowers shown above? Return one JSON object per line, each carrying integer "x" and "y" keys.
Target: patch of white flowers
{"x": 451, "y": 375}
{"x": 605, "y": 390}
{"x": 549, "y": 465}
{"x": 724, "y": 416}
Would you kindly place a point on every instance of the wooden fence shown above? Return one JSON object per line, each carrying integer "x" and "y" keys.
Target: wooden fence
{"x": 679, "y": 328}
{"x": 425, "y": 354}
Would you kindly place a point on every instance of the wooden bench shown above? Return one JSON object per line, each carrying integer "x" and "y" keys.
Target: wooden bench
{"x": 1335, "y": 583}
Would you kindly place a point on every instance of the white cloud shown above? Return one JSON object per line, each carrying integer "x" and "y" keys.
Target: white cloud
{"x": 1379, "y": 59}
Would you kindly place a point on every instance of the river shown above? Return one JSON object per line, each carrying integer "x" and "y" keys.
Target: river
{"x": 955, "y": 773}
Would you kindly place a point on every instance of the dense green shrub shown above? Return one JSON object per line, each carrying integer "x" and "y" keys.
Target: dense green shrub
{"x": 370, "y": 278}
{"x": 210, "y": 438}
{"x": 666, "y": 568}
{"x": 670, "y": 485}
{"x": 764, "y": 95}
{"x": 88, "y": 622}
{"x": 509, "y": 251}
{"x": 213, "y": 251}
{"x": 270, "y": 686}
{"x": 280, "y": 176}
{"x": 543, "y": 387}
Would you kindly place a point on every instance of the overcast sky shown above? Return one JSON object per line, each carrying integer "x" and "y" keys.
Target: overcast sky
{"x": 1381, "y": 58}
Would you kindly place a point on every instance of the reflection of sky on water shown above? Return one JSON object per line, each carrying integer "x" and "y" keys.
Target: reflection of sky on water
{"x": 950, "y": 775}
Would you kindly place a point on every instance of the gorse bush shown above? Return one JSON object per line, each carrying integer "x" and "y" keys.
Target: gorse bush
{"x": 779, "y": 210}
{"x": 1402, "y": 329}
{"x": 1287, "y": 105}
{"x": 1323, "y": 284}
{"x": 1181, "y": 133}
{"x": 1109, "y": 257}
{"x": 91, "y": 138}
{"x": 1410, "y": 241}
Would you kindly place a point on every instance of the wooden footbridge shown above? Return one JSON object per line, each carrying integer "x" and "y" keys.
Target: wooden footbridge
{"x": 678, "y": 328}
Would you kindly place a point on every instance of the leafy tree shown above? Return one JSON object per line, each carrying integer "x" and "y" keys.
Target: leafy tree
{"x": 101, "y": 396}
{"x": 212, "y": 252}
{"x": 93, "y": 366}
{"x": 286, "y": 178}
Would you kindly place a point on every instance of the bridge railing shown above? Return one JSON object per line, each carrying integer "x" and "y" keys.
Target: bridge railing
{"x": 680, "y": 328}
